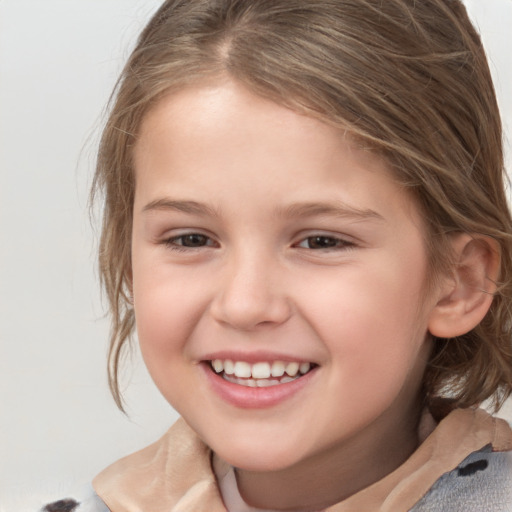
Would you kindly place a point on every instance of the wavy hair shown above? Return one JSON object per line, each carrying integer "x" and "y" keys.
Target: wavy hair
{"x": 407, "y": 78}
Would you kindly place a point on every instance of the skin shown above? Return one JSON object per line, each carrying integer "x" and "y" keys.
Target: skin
{"x": 256, "y": 281}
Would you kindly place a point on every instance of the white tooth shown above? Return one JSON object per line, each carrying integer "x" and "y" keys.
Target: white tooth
{"x": 284, "y": 380}
{"x": 265, "y": 383}
{"x": 304, "y": 368}
{"x": 292, "y": 369}
{"x": 217, "y": 365}
{"x": 229, "y": 378}
{"x": 229, "y": 367}
{"x": 261, "y": 371}
{"x": 242, "y": 369}
{"x": 277, "y": 369}
{"x": 262, "y": 383}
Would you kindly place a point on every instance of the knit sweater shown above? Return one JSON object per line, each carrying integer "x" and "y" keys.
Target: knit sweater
{"x": 465, "y": 464}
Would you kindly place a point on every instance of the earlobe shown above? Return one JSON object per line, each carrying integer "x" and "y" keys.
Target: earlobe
{"x": 466, "y": 295}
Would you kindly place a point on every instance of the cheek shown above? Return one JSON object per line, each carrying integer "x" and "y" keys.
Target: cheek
{"x": 164, "y": 317}
{"x": 166, "y": 309}
{"x": 372, "y": 322}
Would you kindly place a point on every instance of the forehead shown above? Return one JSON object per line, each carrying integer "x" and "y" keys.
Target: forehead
{"x": 214, "y": 106}
{"x": 220, "y": 135}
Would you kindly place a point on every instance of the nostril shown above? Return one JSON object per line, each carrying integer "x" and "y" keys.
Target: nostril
{"x": 247, "y": 312}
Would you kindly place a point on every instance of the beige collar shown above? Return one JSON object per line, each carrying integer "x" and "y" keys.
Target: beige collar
{"x": 175, "y": 474}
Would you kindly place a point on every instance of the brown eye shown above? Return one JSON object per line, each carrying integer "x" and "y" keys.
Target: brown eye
{"x": 194, "y": 240}
{"x": 322, "y": 242}
{"x": 325, "y": 242}
{"x": 191, "y": 240}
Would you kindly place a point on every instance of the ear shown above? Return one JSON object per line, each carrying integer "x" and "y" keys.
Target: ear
{"x": 466, "y": 295}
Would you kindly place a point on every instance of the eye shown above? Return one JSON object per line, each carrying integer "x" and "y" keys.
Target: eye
{"x": 324, "y": 242}
{"x": 190, "y": 241}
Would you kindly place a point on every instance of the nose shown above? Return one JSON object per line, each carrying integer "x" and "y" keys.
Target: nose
{"x": 251, "y": 294}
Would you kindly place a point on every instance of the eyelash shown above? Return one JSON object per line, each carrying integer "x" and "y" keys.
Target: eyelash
{"x": 173, "y": 244}
{"x": 323, "y": 242}
{"x": 326, "y": 243}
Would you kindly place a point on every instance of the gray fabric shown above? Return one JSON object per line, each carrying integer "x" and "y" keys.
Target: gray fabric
{"x": 481, "y": 483}
{"x": 92, "y": 504}
{"x": 86, "y": 501}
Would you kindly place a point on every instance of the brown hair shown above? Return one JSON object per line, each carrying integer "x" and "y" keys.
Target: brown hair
{"x": 409, "y": 79}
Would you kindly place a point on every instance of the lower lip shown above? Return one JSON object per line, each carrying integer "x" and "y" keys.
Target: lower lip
{"x": 254, "y": 398}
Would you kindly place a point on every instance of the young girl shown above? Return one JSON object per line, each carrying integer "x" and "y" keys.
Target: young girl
{"x": 305, "y": 219}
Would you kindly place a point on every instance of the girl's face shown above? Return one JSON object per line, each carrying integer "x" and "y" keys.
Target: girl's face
{"x": 265, "y": 242}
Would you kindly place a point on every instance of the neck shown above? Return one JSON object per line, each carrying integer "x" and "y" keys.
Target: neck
{"x": 334, "y": 475}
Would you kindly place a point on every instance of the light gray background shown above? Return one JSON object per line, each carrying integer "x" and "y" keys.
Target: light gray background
{"x": 58, "y": 62}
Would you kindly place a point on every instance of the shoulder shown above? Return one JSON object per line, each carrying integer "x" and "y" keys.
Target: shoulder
{"x": 86, "y": 502}
{"x": 482, "y": 481}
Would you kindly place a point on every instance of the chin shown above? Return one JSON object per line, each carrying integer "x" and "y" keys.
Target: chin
{"x": 256, "y": 458}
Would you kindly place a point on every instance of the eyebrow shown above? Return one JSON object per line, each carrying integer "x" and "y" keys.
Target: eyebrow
{"x": 331, "y": 209}
{"x": 295, "y": 210}
{"x": 191, "y": 207}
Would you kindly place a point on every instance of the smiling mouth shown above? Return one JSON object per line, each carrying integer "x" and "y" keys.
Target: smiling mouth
{"x": 262, "y": 374}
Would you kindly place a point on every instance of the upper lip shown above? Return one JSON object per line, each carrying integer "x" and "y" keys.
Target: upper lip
{"x": 254, "y": 357}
